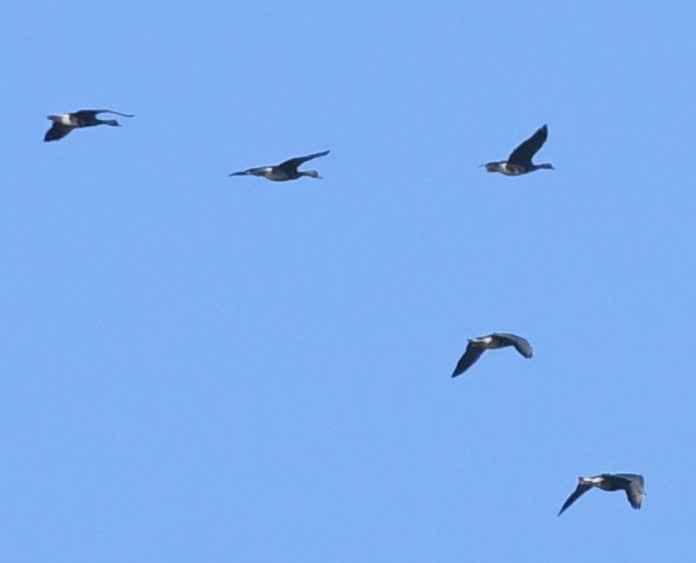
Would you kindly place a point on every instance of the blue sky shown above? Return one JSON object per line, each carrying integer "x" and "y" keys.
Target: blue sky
{"x": 205, "y": 368}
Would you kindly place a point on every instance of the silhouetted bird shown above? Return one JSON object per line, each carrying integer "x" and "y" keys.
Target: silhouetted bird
{"x": 285, "y": 170}
{"x": 520, "y": 160}
{"x": 66, "y": 122}
{"x": 479, "y": 345}
{"x": 632, "y": 483}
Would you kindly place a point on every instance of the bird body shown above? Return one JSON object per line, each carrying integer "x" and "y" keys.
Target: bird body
{"x": 285, "y": 170}
{"x": 632, "y": 483}
{"x": 477, "y": 346}
{"x": 64, "y": 123}
{"x": 520, "y": 160}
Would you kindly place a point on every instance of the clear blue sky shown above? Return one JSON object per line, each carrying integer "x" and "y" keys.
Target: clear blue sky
{"x": 204, "y": 368}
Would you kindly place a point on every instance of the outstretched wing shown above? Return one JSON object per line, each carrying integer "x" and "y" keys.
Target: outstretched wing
{"x": 635, "y": 488}
{"x": 580, "y": 490}
{"x": 98, "y": 111}
{"x": 86, "y": 117}
{"x": 524, "y": 153}
{"x": 293, "y": 163}
{"x": 57, "y": 131}
{"x": 520, "y": 344}
{"x": 469, "y": 358}
{"x": 250, "y": 171}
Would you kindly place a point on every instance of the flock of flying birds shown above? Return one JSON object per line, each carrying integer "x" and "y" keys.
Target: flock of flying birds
{"x": 519, "y": 162}
{"x": 632, "y": 483}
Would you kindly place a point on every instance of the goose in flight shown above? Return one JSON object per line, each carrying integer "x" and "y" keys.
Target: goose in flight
{"x": 520, "y": 160}
{"x": 285, "y": 170}
{"x": 632, "y": 483}
{"x": 66, "y": 122}
{"x": 480, "y": 344}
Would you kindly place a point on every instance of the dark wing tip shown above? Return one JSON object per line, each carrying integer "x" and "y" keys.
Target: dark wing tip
{"x": 575, "y": 495}
{"x": 460, "y": 368}
{"x": 293, "y": 163}
{"x": 469, "y": 358}
{"x": 635, "y": 491}
{"x": 98, "y": 111}
{"x": 527, "y": 149}
{"x": 521, "y": 344}
{"x": 566, "y": 504}
{"x": 56, "y": 132}
{"x": 315, "y": 155}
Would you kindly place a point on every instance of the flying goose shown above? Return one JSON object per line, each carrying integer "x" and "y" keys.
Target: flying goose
{"x": 285, "y": 170}
{"x": 632, "y": 483}
{"x": 480, "y": 344}
{"x": 520, "y": 160}
{"x": 66, "y": 122}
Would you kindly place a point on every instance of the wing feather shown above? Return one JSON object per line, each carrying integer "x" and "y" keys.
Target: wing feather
{"x": 523, "y": 154}
{"x": 293, "y": 163}
{"x": 580, "y": 490}
{"x": 520, "y": 344}
{"x": 57, "y": 131}
{"x": 635, "y": 489}
{"x": 469, "y": 358}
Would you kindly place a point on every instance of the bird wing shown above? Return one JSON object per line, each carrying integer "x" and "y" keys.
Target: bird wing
{"x": 469, "y": 358}
{"x": 293, "y": 163}
{"x": 635, "y": 488}
{"x": 116, "y": 112}
{"x": 86, "y": 117}
{"x": 580, "y": 490}
{"x": 57, "y": 131}
{"x": 94, "y": 112}
{"x": 520, "y": 344}
{"x": 524, "y": 153}
{"x": 249, "y": 171}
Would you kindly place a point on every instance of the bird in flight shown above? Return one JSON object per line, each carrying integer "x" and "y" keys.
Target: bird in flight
{"x": 632, "y": 483}
{"x": 480, "y": 344}
{"x": 520, "y": 160}
{"x": 66, "y": 122}
{"x": 285, "y": 170}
